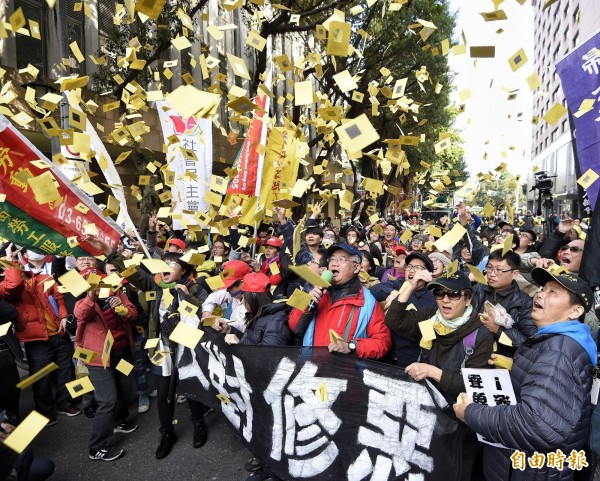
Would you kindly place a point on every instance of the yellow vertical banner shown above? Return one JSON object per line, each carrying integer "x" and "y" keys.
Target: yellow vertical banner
{"x": 280, "y": 170}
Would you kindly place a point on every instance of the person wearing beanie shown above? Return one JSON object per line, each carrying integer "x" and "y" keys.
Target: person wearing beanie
{"x": 440, "y": 263}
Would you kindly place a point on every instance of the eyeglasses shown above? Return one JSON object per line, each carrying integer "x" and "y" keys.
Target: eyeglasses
{"x": 524, "y": 234}
{"x": 571, "y": 248}
{"x": 339, "y": 260}
{"x": 86, "y": 259}
{"x": 439, "y": 294}
{"x": 312, "y": 261}
{"x": 496, "y": 270}
{"x": 329, "y": 236}
{"x": 411, "y": 267}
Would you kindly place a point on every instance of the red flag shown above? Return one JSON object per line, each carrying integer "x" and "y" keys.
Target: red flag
{"x": 247, "y": 159}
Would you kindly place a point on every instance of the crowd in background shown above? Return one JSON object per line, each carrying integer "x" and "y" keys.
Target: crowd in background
{"x": 504, "y": 279}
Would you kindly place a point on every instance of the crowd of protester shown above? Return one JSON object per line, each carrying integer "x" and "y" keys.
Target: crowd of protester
{"x": 386, "y": 279}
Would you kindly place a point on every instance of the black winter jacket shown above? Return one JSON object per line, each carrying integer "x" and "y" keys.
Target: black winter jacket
{"x": 270, "y": 329}
{"x": 518, "y": 305}
{"x": 552, "y": 379}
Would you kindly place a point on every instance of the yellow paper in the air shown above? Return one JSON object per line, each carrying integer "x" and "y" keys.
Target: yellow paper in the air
{"x": 151, "y": 343}
{"x": 74, "y": 283}
{"x": 36, "y": 376}
{"x": 124, "y": 367}
{"x": 449, "y": 240}
{"x": 504, "y": 339}
{"x": 586, "y": 106}
{"x": 303, "y": 93}
{"x": 477, "y": 274}
{"x": 309, "y": 275}
{"x": 186, "y": 335}
{"x": 108, "y": 344}
{"x": 555, "y": 113}
{"x": 26, "y": 431}
{"x": 187, "y": 309}
{"x": 156, "y": 266}
{"x": 215, "y": 282}
{"x": 299, "y": 299}
{"x": 588, "y": 178}
{"x": 435, "y": 231}
{"x": 357, "y": 134}
{"x": 79, "y": 387}
{"x": 44, "y": 189}
{"x": 507, "y": 245}
{"x": 158, "y": 358}
{"x": 322, "y": 392}
{"x": 427, "y": 331}
{"x": 84, "y": 354}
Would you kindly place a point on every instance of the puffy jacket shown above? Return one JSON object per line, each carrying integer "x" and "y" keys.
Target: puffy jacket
{"x": 518, "y": 305}
{"x": 552, "y": 379}
{"x": 270, "y": 329}
{"x": 25, "y": 290}
{"x": 147, "y": 282}
{"x": 445, "y": 350}
{"x": 92, "y": 328}
{"x": 334, "y": 315}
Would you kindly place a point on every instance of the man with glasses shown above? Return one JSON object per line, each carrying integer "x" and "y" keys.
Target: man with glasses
{"x": 346, "y": 308}
{"x": 502, "y": 288}
{"x": 527, "y": 240}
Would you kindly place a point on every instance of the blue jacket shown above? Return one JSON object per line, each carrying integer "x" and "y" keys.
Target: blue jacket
{"x": 552, "y": 379}
{"x": 270, "y": 329}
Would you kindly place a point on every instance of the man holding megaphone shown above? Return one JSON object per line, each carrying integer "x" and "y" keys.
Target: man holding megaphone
{"x": 344, "y": 317}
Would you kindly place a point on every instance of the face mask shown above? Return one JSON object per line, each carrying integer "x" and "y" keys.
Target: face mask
{"x": 491, "y": 226}
{"x": 327, "y": 243}
{"x": 35, "y": 257}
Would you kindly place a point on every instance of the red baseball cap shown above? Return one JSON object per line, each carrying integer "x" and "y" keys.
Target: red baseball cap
{"x": 275, "y": 242}
{"x": 177, "y": 242}
{"x": 235, "y": 271}
{"x": 256, "y": 282}
{"x": 400, "y": 250}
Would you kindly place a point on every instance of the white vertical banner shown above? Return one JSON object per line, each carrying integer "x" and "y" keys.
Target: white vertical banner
{"x": 192, "y": 176}
{"x": 114, "y": 179}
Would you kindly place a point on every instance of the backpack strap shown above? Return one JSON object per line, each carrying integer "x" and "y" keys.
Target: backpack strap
{"x": 469, "y": 344}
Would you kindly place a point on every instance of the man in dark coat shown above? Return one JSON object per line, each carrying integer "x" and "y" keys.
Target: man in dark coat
{"x": 552, "y": 379}
{"x": 502, "y": 288}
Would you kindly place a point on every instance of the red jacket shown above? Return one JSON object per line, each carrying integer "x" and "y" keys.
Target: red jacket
{"x": 92, "y": 328}
{"x": 379, "y": 338}
{"x": 25, "y": 290}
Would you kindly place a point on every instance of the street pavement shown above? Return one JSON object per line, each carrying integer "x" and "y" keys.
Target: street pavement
{"x": 221, "y": 458}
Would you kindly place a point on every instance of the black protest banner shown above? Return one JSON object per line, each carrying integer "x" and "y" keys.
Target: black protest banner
{"x": 310, "y": 415}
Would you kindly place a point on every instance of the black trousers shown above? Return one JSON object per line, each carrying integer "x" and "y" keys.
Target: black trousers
{"x": 166, "y": 404}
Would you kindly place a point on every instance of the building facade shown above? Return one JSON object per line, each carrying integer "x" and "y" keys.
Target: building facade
{"x": 557, "y": 32}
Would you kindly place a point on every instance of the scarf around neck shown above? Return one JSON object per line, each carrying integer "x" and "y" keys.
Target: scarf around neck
{"x": 455, "y": 323}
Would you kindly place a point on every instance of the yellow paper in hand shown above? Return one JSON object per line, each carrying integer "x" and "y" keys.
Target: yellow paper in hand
{"x": 25, "y": 432}
{"x": 299, "y": 299}
{"x": 79, "y": 387}
{"x": 477, "y": 274}
{"x": 334, "y": 336}
{"x": 504, "y": 339}
{"x": 186, "y": 335}
{"x": 4, "y": 328}
{"x": 427, "y": 331}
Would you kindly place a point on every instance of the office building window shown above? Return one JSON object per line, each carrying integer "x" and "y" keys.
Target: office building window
{"x": 75, "y": 33}
{"x": 30, "y": 50}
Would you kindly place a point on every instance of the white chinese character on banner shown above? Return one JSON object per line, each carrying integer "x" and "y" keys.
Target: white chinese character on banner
{"x": 591, "y": 61}
{"x": 401, "y": 433}
{"x": 303, "y": 423}
{"x": 235, "y": 388}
